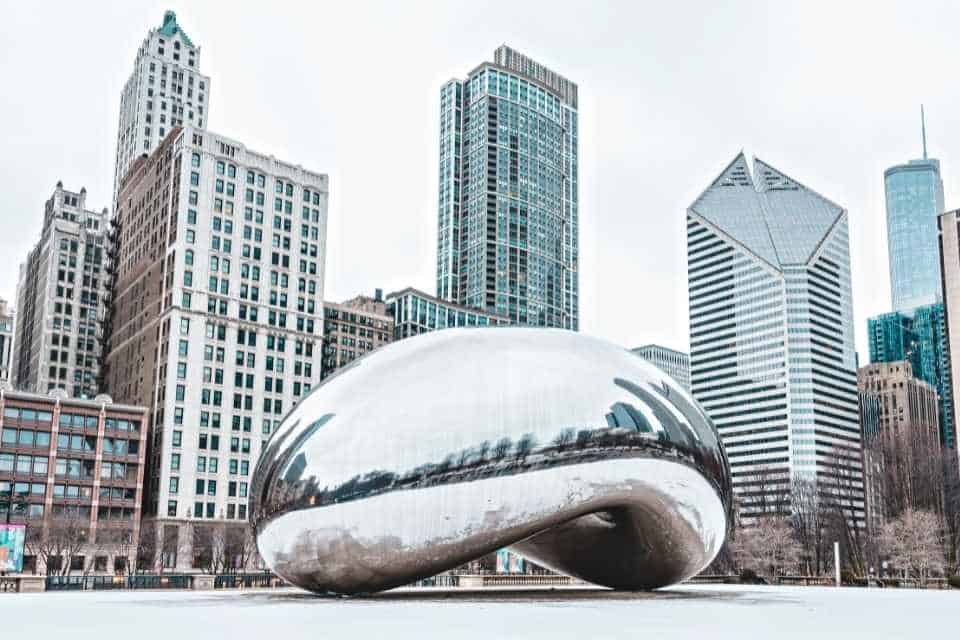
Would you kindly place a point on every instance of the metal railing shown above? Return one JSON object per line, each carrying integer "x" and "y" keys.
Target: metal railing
{"x": 104, "y": 583}
{"x": 246, "y": 581}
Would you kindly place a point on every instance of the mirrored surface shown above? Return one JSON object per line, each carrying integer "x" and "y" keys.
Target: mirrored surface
{"x": 438, "y": 449}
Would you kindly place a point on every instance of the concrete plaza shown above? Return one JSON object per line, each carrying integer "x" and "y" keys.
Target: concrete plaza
{"x": 707, "y": 612}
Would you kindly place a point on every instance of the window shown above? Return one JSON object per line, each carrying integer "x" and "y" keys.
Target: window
{"x": 175, "y": 462}
{"x": 174, "y": 484}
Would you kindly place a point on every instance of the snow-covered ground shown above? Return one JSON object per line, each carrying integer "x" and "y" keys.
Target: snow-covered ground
{"x": 701, "y": 612}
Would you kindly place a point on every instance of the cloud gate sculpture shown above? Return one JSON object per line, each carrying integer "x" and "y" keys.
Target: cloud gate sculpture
{"x": 436, "y": 450}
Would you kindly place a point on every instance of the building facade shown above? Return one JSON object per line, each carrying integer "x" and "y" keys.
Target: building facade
{"x": 217, "y": 320}
{"x": 772, "y": 357}
{"x": 675, "y": 363}
{"x": 919, "y": 336}
{"x": 7, "y": 336}
{"x": 508, "y": 231}
{"x": 914, "y": 196}
{"x": 906, "y": 447}
{"x": 352, "y": 329}
{"x": 415, "y": 312}
{"x": 949, "y": 229}
{"x": 870, "y": 413}
{"x": 61, "y": 300}
{"x": 165, "y": 90}
{"x": 72, "y": 471}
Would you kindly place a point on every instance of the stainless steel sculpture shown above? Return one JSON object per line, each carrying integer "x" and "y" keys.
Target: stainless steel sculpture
{"x": 438, "y": 449}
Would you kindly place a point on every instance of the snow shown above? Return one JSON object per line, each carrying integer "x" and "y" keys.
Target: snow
{"x": 704, "y": 612}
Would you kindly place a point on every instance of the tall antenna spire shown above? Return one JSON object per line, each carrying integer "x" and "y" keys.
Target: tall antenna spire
{"x": 923, "y": 131}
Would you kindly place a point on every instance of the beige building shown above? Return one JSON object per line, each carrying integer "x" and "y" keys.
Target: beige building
{"x": 352, "y": 329}
{"x": 905, "y": 451}
{"x": 949, "y": 224}
{"x": 216, "y": 326}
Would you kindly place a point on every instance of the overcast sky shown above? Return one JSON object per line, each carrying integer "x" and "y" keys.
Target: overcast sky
{"x": 669, "y": 92}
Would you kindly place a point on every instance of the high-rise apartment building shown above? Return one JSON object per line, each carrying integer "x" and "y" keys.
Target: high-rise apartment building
{"x": 7, "y": 336}
{"x": 919, "y": 337}
{"x": 508, "y": 203}
{"x": 914, "y": 194}
{"x": 61, "y": 299}
{"x": 352, "y": 329}
{"x": 675, "y": 363}
{"x": 165, "y": 90}
{"x": 217, "y": 319}
{"x": 772, "y": 357}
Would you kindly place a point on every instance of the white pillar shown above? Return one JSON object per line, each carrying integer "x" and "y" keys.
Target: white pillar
{"x": 836, "y": 562}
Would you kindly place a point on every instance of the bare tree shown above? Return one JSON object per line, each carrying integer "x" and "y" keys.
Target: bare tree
{"x": 121, "y": 540}
{"x": 147, "y": 549}
{"x": 913, "y": 542}
{"x": 840, "y": 490}
{"x": 209, "y": 541}
{"x": 240, "y": 547}
{"x": 767, "y": 546}
{"x": 59, "y": 540}
{"x": 810, "y": 525}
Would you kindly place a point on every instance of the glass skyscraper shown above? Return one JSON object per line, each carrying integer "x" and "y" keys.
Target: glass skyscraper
{"x": 921, "y": 338}
{"x": 772, "y": 357}
{"x": 507, "y": 241}
{"x": 914, "y": 193}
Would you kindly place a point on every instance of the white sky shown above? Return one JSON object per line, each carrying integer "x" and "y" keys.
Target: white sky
{"x": 828, "y": 92}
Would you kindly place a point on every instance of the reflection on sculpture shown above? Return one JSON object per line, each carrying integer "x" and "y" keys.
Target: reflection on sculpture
{"x": 438, "y": 449}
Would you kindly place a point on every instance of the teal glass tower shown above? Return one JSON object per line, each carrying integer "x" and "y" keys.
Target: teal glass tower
{"x": 920, "y": 337}
{"x": 507, "y": 236}
{"x": 914, "y": 194}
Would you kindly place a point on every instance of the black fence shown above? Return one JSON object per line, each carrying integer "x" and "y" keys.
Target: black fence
{"x": 246, "y": 580}
{"x": 150, "y": 581}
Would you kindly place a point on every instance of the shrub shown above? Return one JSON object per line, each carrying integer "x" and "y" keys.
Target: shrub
{"x": 954, "y": 581}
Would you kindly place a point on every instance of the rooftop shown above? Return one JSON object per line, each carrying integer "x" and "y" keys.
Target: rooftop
{"x": 774, "y": 216}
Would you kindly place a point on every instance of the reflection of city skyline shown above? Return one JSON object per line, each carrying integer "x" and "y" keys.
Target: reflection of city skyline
{"x": 623, "y": 431}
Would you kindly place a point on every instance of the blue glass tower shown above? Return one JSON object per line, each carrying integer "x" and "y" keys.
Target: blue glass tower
{"x": 920, "y": 337}
{"x": 916, "y": 328}
{"x": 914, "y": 193}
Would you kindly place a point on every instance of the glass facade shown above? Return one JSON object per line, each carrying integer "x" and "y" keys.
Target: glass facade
{"x": 415, "y": 312}
{"x": 771, "y": 336}
{"x": 914, "y": 194}
{"x": 920, "y": 338}
{"x": 508, "y": 231}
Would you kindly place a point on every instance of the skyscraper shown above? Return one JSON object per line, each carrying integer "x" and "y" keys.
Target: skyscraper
{"x": 914, "y": 193}
{"x": 165, "y": 90}
{"x": 772, "y": 356}
{"x": 217, "y": 320}
{"x": 920, "y": 338}
{"x": 508, "y": 203}
{"x": 61, "y": 299}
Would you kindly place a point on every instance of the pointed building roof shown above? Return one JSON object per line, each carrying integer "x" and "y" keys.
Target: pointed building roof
{"x": 775, "y": 217}
{"x": 170, "y": 28}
